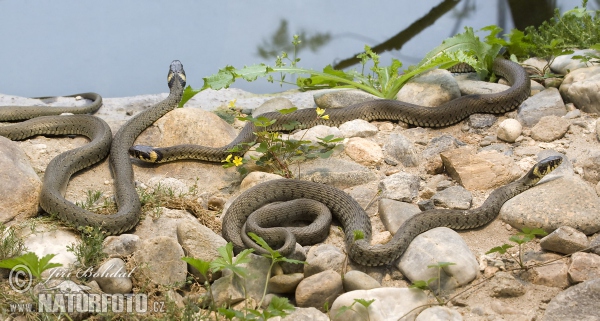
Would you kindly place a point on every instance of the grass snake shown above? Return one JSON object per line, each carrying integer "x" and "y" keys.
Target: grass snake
{"x": 61, "y": 168}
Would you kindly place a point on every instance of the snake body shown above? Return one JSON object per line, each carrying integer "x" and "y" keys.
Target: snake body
{"x": 447, "y": 114}
{"x": 61, "y": 168}
{"x": 353, "y": 218}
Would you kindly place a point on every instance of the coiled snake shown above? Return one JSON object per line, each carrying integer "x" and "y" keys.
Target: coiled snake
{"x": 61, "y": 168}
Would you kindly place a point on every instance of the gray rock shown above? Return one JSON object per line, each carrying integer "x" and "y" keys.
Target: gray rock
{"x": 439, "y": 145}
{"x": 565, "y": 240}
{"x": 440, "y": 244}
{"x": 273, "y": 104}
{"x": 226, "y": 291}
{"x": 400, "y": 186}
{"x": 509, "y": 130}
{"x": 300, "y": 255}
{"x": 20, "y": 191}
{"x": 305, "y": 314}
{"x": 454, "y": 197}
{"x": 336, "y": 172}
{"x": 546, "y": 103}
{"x": 120, "y": 246}
{"x": 199, "y": 242}
{"x": 550, "y": 128}
{"x": 432, "y": 88}
{"x": 364, "y": 151}
{"x": 591, "y": 166}
{"x": 388, "y": 304}
{"x": 564, "y": 201}
{"x": 314, "y": 133}
{"x": 114, "y": 277}
{"x": 401, "y": 149}
{"x": 323, "y": 257}
{"x": 479, "y": 121}
{"x": 316, "y": 290}
{"x": 595, "y": 244}
{"x": 584, "y": 267}
{"x": 565, "y": 64}
{"x": 358, "y": 128}
{"x": 439, "y": 313}
{"x": 284, "y": 283}
{"x": 357, "y": 280}
{"x": 553, "y": 274}
{"x": 165, "y": 225}
{"x": 475, "y": 86}
{"x": 159, "y": 261}
{"x": 394, "y": 213}
{"x": 579, "y": 302}
{"x": 339, "y": 98}
{"x": 504, "y": 284}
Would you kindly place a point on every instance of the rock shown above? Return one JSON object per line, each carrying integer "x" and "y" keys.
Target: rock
{"x": 434, "y": 148}
{"x": 48, "y": 239}
{"x": 479, "y": 121}
{"x": 394, "y": 213}
{"x": 595, "y": 244}
{"x": 590, "y": 164}
{"x": 255, "y": 178}
{"x": 439, "y": 313}
{"x": 364, "y": 151}
{"x": 509, "y": 130}
{"x": 339, "y": 98}
{"x": 159, "y": 261}
{"x": 319, "y": 289}
{"x": 188, "y": 126}
{"x": 564, "y": 240}
{"x": 401, "y": 149}
{"x": 120, "y": 246}
{"x": 550, "y": 128}
{"x": 504, "y": 284}
{"x": 565, "y": 64}
{"x": 579, "y": 302}
{"x": 481, "y": 171}
{"x": 199, "y": 242}
{"x": 322, "y": 257}
{"x": 357, "y": 280}
{"x": 165, "y": 225}
{"x": 389, "y": 304}
{"x": 285, "y": 283}
{"x": 476, "y": 86}
{"x": 584, "y": 267}
{"x": 305, "y": 314}
{"x": 336, "y": 172}
{"x": 431, "y": 89}
{"x": 401, "y": 186}
{"x": 440, "y": 244}
{"x": 535, "y": 65}
{"x": 300, "y": 255}
{"x": 454, "y": 197}
{"x": 552, "y": 274}
{"x": 114, "y": 277}
{"x": 227, "y": 290}
{"x": 273, "y": 104}
{"x": 564, "y": 201}
{"x": 313, "y": 134}
{"x": 174, "y": 185}
{"x": 358, "y": 128}
{"x": 20, "y": 192}
{"x": 546, "y": 103}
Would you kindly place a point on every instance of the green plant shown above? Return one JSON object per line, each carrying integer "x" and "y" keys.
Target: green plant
{"x": 526, "y": 235}
{"x": 277, "y": 153}
{"x": 88, "y": 251}
{"x": 425, "y": 285}
{"x": 380, "y": 81}
{"x": 10, "y": 244}
{"x": 90, "y": 201}
{"x": 30, "y": 262}
{"x": 363, "y": 302}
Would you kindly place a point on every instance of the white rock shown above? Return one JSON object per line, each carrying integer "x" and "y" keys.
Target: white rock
{"x": 509, "y": 130}
{"x": 390, "y": 304}
{"x": 358, "y": 128}
{"x": 364, "y": 151}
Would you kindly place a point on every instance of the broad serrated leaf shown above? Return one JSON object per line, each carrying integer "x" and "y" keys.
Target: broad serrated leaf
{"x": 500, "y": 249}
{"x": 222, "y": 79}
{"x": 251, "y": 73}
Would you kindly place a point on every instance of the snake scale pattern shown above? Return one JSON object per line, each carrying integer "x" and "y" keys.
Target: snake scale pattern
{"x": 61, "y": 168}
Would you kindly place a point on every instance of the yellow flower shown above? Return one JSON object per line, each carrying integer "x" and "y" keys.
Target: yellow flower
{"x": 325, "y": 117}
{"x": 232, "y": 103}
{"x": 227, "y": 160}
{"x": 237, "y": 161}
{"x": 320, "y": 111}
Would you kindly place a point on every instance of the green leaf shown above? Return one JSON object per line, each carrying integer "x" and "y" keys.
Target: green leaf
{"x": 364, "y": 302}
{"x": 222, "y": 79}
{"x": 200, "y": 265}
{"x": 279, "y": 307}
{"x": 287, "y": 110}
{"x": 260, "y": 241}
{"x": 188, "y": 93}
{"x": 441, "y": 265}
{"x": 419, "y": 284}
{"x": 35, "y": 265}
{"x": 251, "y": 73}
{"x": 500, "y": 249}
{"x": 291, "y": 125}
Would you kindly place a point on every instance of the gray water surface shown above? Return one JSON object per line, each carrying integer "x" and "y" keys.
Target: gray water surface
{"x": 123, "y": 48}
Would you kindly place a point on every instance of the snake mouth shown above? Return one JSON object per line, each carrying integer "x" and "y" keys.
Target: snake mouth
{"x": 145, "y": 153}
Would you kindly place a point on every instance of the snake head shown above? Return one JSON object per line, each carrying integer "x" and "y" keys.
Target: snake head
{"x": 543, "y": 168}
{"x": 176, "y": 74}
{"x": 145, "y": 153}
